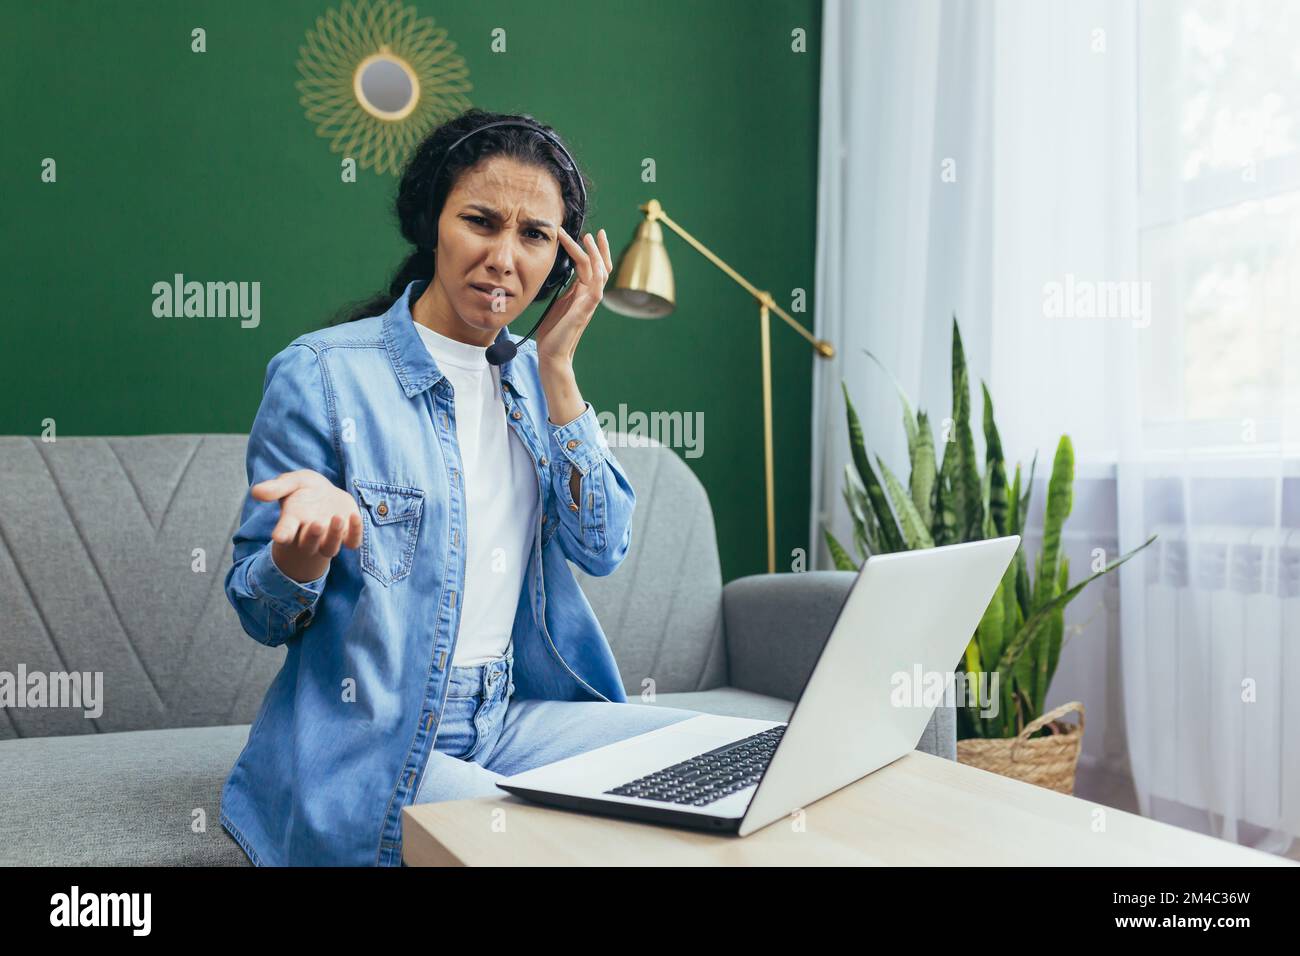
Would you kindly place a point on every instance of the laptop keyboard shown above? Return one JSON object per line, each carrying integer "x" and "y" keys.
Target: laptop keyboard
{"x": 710, "y": 776}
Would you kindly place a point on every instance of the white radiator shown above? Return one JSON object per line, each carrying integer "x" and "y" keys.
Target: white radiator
{"x": 1223, "y": 607}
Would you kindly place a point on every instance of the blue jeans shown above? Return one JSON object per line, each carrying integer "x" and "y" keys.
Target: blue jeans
{"x": 486, "y": 735}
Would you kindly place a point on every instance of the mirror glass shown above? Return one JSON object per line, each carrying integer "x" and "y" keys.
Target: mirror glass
{"x": 386, "y": 87}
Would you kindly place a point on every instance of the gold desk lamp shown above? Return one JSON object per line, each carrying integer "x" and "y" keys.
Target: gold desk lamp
{"x": 643, "y": 289}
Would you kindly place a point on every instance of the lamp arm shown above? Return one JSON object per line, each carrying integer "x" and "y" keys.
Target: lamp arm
{"x": 654, "y": 210}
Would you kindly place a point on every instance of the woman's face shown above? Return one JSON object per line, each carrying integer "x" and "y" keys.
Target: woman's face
{"x": 498, "y": 232}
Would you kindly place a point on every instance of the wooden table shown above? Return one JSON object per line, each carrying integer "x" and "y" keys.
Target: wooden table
{"x": 920, "y": 810}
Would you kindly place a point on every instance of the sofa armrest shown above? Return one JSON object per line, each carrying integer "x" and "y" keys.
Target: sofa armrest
{"x": 775, "y": 628}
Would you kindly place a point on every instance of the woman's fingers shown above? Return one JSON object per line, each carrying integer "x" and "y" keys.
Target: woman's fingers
{"x": 286, "y": 483}
{"x": 310, "y": 536}
{"x": 604, "y": 252}
{"x": 578, "y": 255}
{"x": 323, "y": 537}
{"x": 286, "y": 529}
{"x": 353, "y": 538}
{"x": 598, "y": 271}
{"x": 332, "y": 538}
{"x": 313, "y": 523}
{"x": 273, "y": 489}
{"x": 570, "y": 245}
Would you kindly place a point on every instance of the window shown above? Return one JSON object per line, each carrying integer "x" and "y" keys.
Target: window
{"x": 1219, "y": 213}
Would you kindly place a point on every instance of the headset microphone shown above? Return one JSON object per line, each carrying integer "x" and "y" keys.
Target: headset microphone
{"x": 498, "y": 353}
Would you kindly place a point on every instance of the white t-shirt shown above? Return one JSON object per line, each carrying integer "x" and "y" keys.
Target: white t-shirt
{"x": 500, "y": 497}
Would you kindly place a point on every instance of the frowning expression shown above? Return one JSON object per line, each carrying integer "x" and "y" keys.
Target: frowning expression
{"x": 497, "y": 240}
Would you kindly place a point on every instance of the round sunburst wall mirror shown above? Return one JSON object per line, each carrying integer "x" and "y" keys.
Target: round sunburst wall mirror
{"x": 376, "y": 77}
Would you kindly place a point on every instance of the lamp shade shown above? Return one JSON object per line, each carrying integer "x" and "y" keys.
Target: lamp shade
{"x": 643, "y": 281}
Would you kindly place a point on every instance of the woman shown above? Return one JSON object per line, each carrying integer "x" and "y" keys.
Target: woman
{"x": 411, "y": 510}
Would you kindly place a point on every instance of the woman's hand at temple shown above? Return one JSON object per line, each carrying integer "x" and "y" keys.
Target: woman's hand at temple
{"x": 558, "y": 335}
{"x": 316, "y": 519}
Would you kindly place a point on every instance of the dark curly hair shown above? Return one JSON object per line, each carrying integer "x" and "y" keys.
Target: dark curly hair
{"x": 417, "y": 213}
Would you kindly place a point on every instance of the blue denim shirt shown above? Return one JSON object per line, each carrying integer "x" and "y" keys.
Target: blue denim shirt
{"x": 341, "y": 740}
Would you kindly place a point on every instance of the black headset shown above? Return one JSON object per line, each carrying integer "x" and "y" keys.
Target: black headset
{"x": 498, "y": 353}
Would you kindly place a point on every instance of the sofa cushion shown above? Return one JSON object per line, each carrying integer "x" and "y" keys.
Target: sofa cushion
{"x": 113, "y": 556}
{"x": 124, "y": 799}
{"x": 727, "y": 701}
{"x": 662, "y": 609}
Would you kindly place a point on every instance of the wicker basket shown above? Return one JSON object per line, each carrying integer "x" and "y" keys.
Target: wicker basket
{"x": 1046, "y": 761}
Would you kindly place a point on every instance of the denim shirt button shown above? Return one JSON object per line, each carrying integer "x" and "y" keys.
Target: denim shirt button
{"x": 543, "y": 461}
{"x": 516, "y": 414}
{"x": 382, "y": 509}
{"x": 573, "y": 443}
{"x": 573, "y": 507}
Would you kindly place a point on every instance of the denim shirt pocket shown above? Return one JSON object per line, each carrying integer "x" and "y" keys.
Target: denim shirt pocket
{"x": 390, "y": 518}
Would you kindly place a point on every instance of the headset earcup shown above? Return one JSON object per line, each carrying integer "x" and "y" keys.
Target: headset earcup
{"x": 558, "y": 275}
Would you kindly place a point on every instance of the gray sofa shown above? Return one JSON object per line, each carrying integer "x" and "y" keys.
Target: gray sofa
{"x": 113, "y": 555}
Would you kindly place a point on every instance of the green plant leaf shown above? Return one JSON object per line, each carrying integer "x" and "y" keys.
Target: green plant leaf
{"x": 909, "y": 426}
{"x": 1054, "y": 646}
{"x": 966, "y": 726}
{"x": 1020, "y": 711}
{"x": 995, "y": 467}
{"x": 970, "y": 661}
{"x": 855, "y": 502}
{"x": 1024, "y": 498}
{"x": 988, "y": 634}
{"x": 944, "y": 526}
{"x": 1040, "y": 652}
{"x": 1035, "y": 622}
{"x": 841, "y": 557}
{"x": 1013, "y": 505}
{"x": 868, "y": 536}
{"x": 1011, "y": 616}
{"x": 1060, "y": 497}
{"x": 1023, "y": 592}
{"x": 1003, "y": 724}
{"x": 914, "y": 530}
{"x": 1041, "y": 657}
{"x": 891, "y": 539}
{"x": 921, "y": 483}
{"x": 1024, "y": 674}
{"x": 859, "y": 535}
{"x": 967, "y": 503}
{"x": 920, "y": 448}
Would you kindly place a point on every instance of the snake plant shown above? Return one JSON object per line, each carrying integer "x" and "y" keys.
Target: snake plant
{"x": 1020, "y": 634}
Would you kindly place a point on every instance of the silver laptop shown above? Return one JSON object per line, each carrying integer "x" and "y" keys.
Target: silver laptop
{"x": 903, "y": 627}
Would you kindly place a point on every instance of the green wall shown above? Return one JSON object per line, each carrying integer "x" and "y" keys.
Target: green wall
{"x": 173, "y": 161}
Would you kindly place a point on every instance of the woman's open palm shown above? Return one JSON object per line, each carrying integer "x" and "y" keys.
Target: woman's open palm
{"x": 317, "y": 518}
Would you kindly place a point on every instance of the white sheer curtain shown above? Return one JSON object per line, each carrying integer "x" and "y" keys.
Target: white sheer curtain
{"x": 1120, "y": 245}
{"x": 899, "y": 251}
